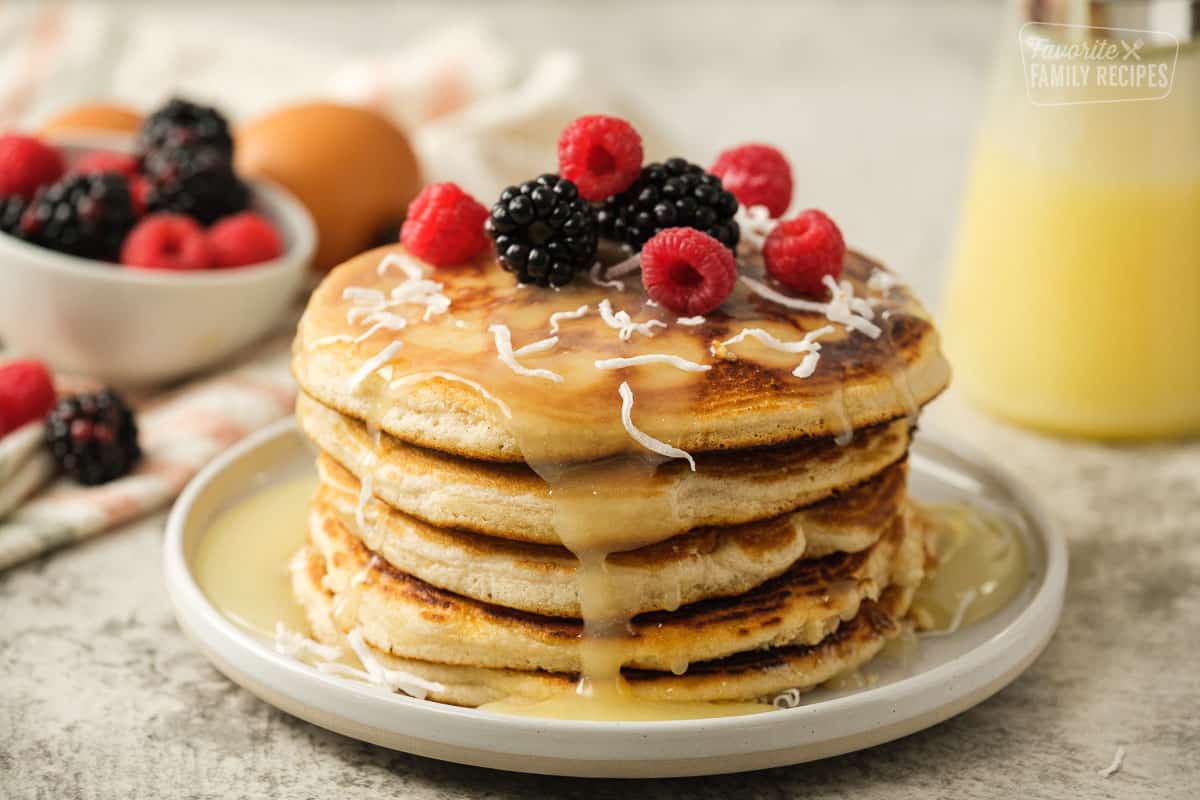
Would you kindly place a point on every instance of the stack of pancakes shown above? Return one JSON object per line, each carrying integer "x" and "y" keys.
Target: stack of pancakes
{"x": 787, "y": 555}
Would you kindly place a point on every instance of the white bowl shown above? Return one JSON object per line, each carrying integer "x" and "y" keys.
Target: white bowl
{"x": 135, "y": 327}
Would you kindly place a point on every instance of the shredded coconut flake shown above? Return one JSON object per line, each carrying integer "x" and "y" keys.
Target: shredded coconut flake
{"x": 364, "y": 302}
{"x": 372, "y": 306}
{"x": 504, "y": 351}
{"x": 960, "y": 613}
{"x": 623, "y": 268}
{"x": 403, "y": 262}
{"x": 848, "y": 310}
{"x": 882, "y": 281}
{"x": 805, "y": 345}
{"x": 762, "y": 290}
{"x": 807, "y": 365}
{"x": 343, "y": 671}
{"x": 789, "y": 698}
{"x": 362, "y": 294}
{"x": 1115, "y": 766}
{"x": 690, "y": 322}
{"x": 844, "y": 308}
{"x": 596, "y": 276}
{"x": 390, "y": 679}
{"x": 755, "y": 224}
{"x": 808, "y": 345}
{"x": 624, "y": 324}
{"x": 325, "y": 341}
{"x": 294, "y": 645}
{"x": 540, "y": 346}
{"x": 374, "y": 362}
{"x": 366, "y": 488}
{"x": 653, "y": 358}
{"x": 382, "y": 321}
{"x": 559, "y": 316}
{"x": 360, "y": 577}
{"x": 644, "y": 439}
{"x": 417, "y": 377}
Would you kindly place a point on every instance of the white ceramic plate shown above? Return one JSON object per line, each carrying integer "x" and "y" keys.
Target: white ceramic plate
{"x": 946, "y": 676}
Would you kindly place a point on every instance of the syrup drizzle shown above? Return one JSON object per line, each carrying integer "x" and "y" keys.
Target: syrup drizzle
{"x": 981, "y": 567}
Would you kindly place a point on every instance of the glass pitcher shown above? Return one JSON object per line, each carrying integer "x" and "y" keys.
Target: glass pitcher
{"x": 1074, "y": 299}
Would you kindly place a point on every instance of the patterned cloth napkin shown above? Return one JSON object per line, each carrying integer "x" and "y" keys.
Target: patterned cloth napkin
{"x": 179, "y": 433}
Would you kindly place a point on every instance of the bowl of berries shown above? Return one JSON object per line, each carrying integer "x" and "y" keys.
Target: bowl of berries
{"x": 139, "y": 261}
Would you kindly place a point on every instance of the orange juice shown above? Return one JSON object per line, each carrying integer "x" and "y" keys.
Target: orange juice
{"x": 1074, "y": 302}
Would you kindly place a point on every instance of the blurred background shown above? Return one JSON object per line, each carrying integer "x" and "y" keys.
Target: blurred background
{"x": 875, "y": 102}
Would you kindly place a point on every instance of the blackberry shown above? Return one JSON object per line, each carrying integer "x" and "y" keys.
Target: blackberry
{"x": 84, "y": 215}
{"x": 11, "y": 209}
{"x": 545, "y": 232}
{"x": 182, "y": 125}
{"x": 200, "y": 183}
{"x": 93, "y": 437}
{"x": 673, "y": 194}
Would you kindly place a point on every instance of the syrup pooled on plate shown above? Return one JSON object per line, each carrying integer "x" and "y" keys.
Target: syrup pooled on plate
{"x": 241, "y": 560}
{"x": 981, "y": 567}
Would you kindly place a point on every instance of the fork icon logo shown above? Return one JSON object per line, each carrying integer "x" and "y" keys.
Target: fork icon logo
{"x": 1132, "y": 48}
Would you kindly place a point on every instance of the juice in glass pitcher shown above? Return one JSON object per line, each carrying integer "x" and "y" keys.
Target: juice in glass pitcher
{"x": 1074, "y": 299}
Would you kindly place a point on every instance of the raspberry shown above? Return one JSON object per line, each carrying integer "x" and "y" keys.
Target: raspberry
{"x": 105, "y": 161}
{"x": 26, "y": 394}
{"x": 245, "y": 238}
{"x": 27, "y": 164}
{"x": 802, "y": 251}
{"x": 601, "y": 155}
{"x": 687, "y": 271}
{"x": 444, "y": 225}
{"x": 167, "y": 241}
{"x": 93, "y": 437}
{"x": 139, "y": 190}
{"x": 758, "y": 175}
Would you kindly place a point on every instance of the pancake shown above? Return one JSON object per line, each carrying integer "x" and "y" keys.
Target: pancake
{"x": 512, "y": 501}
{"x": 852, "y": 519}
{"x": 697, "y": 565}
{"x": 438, "y": 382}
{"x": 407, "y": 617}
{"x": 752, "y": 675}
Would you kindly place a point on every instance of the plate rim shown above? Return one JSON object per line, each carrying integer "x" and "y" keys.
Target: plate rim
{"x": 985, "y": 669}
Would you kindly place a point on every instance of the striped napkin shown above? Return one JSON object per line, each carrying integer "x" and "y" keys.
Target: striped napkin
{"x": 179, "y": 432}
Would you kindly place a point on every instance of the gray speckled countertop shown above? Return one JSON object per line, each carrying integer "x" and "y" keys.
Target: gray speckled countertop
{"x": 102, "y": 697}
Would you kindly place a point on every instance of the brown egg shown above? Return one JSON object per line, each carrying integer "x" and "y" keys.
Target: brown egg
{"x": 352, "y": 168}
{"x": 93, "y": 117}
